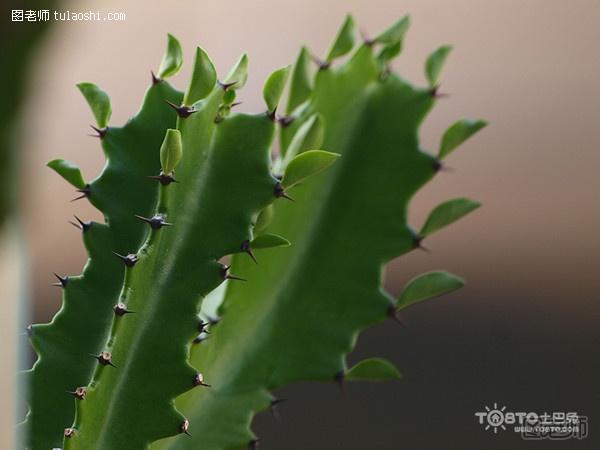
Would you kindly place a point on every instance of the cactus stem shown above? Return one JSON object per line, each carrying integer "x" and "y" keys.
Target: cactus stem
{"x": 156, "y": 222}
{"x": 120, "y": 309}
{"x": 78, "y": 393}
{"x": 155, "y": 79}
{"x": 80, "y": 224}
{"x": 104, "y": 358}
{"x": 182, "y": 111}
{"x": 199, "y": 380}
{"x": 280, "y": 192}
{"x": 245, "y": 247}
{"x": 284, "y": 121}
{"x": 62, "y": 281}
{"x": 163, "y": 178}
{"x": 129, "y": 259}
{"x": 85, "y": 192}
{"x": 69, "y": 432}
{"x": 226, "y": 86}
{"x": 184, "y": 427}
{"x": 100, "y": 132}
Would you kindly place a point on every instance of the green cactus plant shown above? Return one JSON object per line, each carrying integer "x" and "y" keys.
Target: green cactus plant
{"x": 152, "y": 375}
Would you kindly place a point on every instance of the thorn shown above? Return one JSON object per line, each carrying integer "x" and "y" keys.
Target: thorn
{"x": 340, "y": 379}
{"x": 202, "y": 327}
{"x": 80, "y": 224}
{"x": 200, "y": 338}
{"x": 199, "y": 380}
{"x": 280, "y": 192}
{"x": 62, "y": 281}
{"x": 29, "y": 330}
{"x": 129, "y": 259}
{"x": 78, "y": 393}
{"x": 284, "y": 121}
{"x": 104, "y": 358}
{"x": 164, "y": 179}
{"x": 254, "y": 444}
{"x": 155, "y": 79}
{"x": 366, "y": 39}
{"x": 417, "y": 244}
{"x": 226, "y": 86}
{"x": 235, "y": 104}
{"x": 245, "y": 247}
{"x": 322, "y": 65}
{"x": 435, "y": 93}
{"x": 228, "y": 276}
{"x": 213, "y": 320}
{"x": 86, "y": 192}
{"x": 395, "y": 315}
{"x": 120, "y": 309}
{"x": 156, "y": 222}
{"x": 69, "y": 432}
{"x": 184, "y": 427}
{"x": 273, "y": 407}
{"x": 100, "y": 132}
{"x": 182, "y": 111}
{"x": 272, "y": 115}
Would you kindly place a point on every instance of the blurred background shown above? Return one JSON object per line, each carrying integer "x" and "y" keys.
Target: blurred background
{"x": 523, "y": 333}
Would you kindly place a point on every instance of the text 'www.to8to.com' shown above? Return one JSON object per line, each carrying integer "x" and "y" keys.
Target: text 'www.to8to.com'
{"x": 46, "y": 15}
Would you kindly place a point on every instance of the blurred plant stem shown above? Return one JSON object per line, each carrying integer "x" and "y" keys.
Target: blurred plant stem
{"x": 17, "y": 43}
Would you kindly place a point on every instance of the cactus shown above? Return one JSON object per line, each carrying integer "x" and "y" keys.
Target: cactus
{"x": 154, "y": 376}
{"x": 302, "y": 311}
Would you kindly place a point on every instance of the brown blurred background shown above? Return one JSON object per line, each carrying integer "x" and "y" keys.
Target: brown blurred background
{"x": 524, "y": 332}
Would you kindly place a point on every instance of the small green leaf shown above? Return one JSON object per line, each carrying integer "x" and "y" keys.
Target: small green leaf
{"x": 238, "y": 74}
{"x": 203, "y": 80}
{"x": 390, "y": 51}
{"x": 229, "y": 97}
{"x": 434, "y": 64}
{"x": 447, "y": 213}
{"x": 373, "y": 369}
{"x": 300, "y": 84}
{"x": 98, "y": 101}
{"x": 427, "y": 286}
{"x": 344, "y": 41}
{"x": 172, "y": 59}
{"x": 306, "y": 165}
{"x": 269, "y": 241}
{"x": 69, "y": 171}
{"x": 264, "y": 219}
{"x": 274, "y": 86}
{"x": 171, "y": 151}
{"x": 458, "y": 133}
{"x": 395, "y": 33}
{"x": 308, "y": 136}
